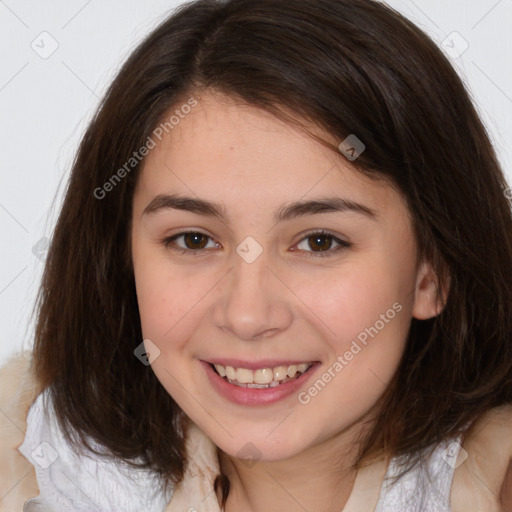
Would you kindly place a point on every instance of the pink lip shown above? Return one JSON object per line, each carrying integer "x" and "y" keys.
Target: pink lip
{"x": 255, "y": 396}
{"x": 254, "y": 365}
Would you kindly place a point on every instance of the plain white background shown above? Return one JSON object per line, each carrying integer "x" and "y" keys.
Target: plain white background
{"x": 58, "y": 58}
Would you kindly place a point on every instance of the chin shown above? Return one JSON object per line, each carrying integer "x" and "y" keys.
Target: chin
{"x": 260, "y": 447}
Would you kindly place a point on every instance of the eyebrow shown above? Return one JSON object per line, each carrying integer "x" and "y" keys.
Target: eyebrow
{"x": 287, "y": 212}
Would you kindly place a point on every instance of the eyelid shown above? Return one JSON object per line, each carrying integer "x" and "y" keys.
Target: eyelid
{"x": 342, "y": 244}
{"x": 168, "y": 240}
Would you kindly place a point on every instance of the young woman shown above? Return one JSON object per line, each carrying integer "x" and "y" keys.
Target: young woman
{"x": 280, "y": 280}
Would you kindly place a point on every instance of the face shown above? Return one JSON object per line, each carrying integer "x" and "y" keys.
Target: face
{"x": 240, "y": 275}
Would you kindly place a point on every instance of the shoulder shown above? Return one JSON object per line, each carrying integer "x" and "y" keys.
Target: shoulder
{"x": 483, "y": 476}
{"x": 18, "y": 389}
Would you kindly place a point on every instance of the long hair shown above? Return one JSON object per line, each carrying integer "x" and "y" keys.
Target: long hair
{"x": 349, "y": 67}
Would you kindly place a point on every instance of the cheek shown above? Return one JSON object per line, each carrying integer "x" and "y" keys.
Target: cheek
{"x": 354, "y": 302}
{"x": 365, "y": 327}
{"x": 365, "y": 319}
{"x": 161, "y": 299}
{"x": 171, "y": 299}
{"x": 151, "y": 296}
{"x": 165, "y": 307}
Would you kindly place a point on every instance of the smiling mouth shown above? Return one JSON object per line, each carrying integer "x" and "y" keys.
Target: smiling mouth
{"x": 262, "y": 378}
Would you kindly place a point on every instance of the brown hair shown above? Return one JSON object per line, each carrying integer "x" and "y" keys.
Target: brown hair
{"x": 347, "y": 66}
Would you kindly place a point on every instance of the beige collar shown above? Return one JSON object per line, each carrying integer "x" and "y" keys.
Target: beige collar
{"x": 196, "y": 492}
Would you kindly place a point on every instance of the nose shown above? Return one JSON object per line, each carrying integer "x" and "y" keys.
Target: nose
{"x": 253, "y": 302}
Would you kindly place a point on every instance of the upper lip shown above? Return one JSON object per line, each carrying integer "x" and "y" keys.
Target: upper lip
{"x": 256, "y": 365}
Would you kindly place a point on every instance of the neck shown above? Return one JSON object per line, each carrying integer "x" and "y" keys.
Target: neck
{"x": 311, "y": 480}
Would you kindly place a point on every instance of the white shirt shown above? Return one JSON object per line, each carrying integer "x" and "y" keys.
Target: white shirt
{"x": 424, "y": 488}
{"x": 71, "y": 482}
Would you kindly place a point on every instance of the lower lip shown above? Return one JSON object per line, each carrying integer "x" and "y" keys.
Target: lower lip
{"x": 255, "y": 396}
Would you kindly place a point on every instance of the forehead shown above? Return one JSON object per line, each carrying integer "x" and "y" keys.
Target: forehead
{"x": 235, "y": 153}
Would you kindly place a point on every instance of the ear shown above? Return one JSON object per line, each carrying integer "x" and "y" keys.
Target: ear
{"x": 426, "y": 303}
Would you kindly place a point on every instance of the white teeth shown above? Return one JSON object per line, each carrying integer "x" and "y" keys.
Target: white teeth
{"x": 302, "y": 367}
{"x": 263, "y": 377}
{"x": 292, "y": 370}
{"x": 221, "y": 370}
{"x": 280, "y": 373}
{"x": 244, "y": 376}
{"x": 230, "y": 372}
{"x": 242, "y": 385}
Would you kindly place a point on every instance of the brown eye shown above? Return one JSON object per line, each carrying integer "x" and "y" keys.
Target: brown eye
{"x": 189, "y": 241}
{"x": 195, "y": 240}
{"x": 321, "y": 244}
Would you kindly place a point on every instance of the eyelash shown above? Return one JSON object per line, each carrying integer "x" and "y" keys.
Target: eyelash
{"x": 310, "y": 254}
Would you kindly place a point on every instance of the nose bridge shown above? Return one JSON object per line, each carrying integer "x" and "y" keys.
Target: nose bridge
{"x": 252, "y": 303}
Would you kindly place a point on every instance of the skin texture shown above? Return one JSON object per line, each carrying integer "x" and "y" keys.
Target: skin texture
{"x": 284, "y": 305}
